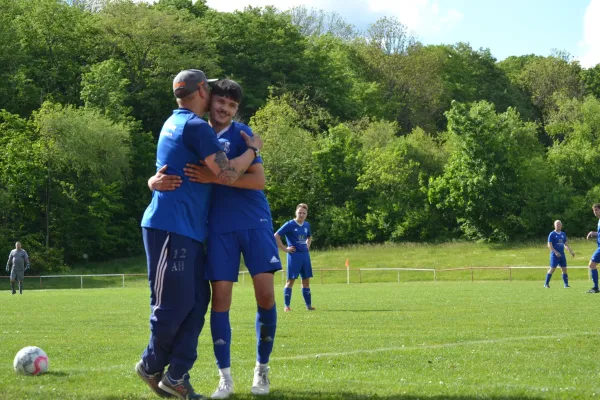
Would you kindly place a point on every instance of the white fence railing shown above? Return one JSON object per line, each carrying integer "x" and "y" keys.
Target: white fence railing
{"x": 357, "y": 274}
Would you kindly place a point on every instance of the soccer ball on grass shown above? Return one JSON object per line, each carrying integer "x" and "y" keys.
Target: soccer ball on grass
{"x": 31, "y": 360}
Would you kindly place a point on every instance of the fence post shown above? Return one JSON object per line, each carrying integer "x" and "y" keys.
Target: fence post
{"x": 81, "y": 276}
{"x": 321, "y": 276}
{"x": 510, "y": 274}
{"x": 472, "y": 280}
{"x": 123, "y": 280}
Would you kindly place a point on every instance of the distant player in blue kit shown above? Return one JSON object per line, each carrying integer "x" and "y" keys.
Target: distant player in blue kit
{"x": 174, "y": 229}
{"x": 596, "y": 256}
{"x": 298, "y": 237}
{"x": 557, "y": 242}
{"x": 239, "y": 223}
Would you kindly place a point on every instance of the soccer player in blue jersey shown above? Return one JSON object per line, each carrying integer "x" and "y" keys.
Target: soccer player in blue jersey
{"x": 239, "y": 223}
{"x": 174, "y": 229}
{"x": 557, "y": 242}
{"x": 298, "y": 237}
{"x": 596, "y": 256}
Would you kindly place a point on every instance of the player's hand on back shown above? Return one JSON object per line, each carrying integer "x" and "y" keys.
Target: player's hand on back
{"x": 291, "y": 249}
{"x": 163, "y": 182}
{"x": 199, "y": 173}
{"x": 252, "y": 141}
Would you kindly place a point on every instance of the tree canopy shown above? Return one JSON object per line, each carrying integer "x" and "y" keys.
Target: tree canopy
{"x": 386, "y": 138}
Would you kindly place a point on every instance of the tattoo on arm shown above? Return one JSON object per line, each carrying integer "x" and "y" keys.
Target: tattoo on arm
{"x": 228, "y": 173}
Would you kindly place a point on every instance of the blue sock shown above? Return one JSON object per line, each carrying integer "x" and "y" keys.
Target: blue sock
{"x": 307, "y": 297}
{"x": 548, "y": 277}
{"x": 287, "y": 296}
{"x": 220, "y": 328}
{"x": 565, "y": 279}
{"x": 266, "y": 324}
{"x": 595, "y": 278}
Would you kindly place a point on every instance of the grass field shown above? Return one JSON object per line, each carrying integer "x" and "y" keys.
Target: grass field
{"x": 415, "y": 340}
{"x": 405, "y": 255}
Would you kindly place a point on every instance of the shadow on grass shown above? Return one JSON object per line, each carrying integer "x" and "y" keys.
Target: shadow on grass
{"x": 56, "y": 373}
{"x": 308, "y": 395}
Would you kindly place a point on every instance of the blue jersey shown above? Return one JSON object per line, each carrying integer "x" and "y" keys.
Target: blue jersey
{"x": 295, "y": 234}
{"x": 558, "y": 241}
{"x": 233, "y": 209}
{"x": 598, "y": 237}
{"x": 185, "y": 138}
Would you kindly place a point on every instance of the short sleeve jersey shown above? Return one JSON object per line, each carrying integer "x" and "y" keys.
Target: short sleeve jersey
{"x": 184, "y": 138}
{"x": 19, "y": 259}
{"x": 558, "y": 241}
{"x": 296, "y": 234}
{"x": 235, "y": 209}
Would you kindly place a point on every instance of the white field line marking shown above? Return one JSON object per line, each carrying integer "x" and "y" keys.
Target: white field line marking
{"x": 370, "y": 351}
{"x": 432, "y": 346}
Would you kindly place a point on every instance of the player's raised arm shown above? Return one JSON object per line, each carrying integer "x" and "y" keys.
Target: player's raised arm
{"x": 228, "y": 171}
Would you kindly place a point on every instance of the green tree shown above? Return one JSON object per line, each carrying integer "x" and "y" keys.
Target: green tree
{"x": 104, "y": 88}
{"x": 288, "y": 154}
{"x": 488, "y": 172}
{"x": 197, "y": 8}
{"x": 591, "y": 81}
{"x": 85, "y": 158}
{"x": 260, "y": 49}
{"x": 575, "y": 153}
{"x": 153, "y": 44}
{"x": 540, "y": 78}
{"x": 313, "y": 22}
{"x": 395, "y": 179}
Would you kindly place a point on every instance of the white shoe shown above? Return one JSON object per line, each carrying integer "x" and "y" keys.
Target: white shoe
{"x": 225, "y": 388}
{"x": 260, "y": 383}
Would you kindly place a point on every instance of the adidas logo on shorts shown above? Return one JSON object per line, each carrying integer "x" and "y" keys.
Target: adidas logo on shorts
{"x": 274, "y": 260}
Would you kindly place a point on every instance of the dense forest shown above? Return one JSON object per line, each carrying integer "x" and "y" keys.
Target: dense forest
{"x": 386, "y": 139}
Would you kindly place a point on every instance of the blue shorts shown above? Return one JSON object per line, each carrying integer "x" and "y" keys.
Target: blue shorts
{"x": 258, "y": 247}
{"x": 556, "y": 261}
{"x": 298, "y": 264}
{"x": 596, "y": 256}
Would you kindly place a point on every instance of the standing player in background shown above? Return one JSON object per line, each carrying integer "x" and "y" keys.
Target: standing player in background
{"x": 239, "y": 223}
{"x": 174, "y": 229}
{"x": 596, "y": 256}
{"x": 20, "y": 263}
{"x": 557, "y": 242}
{"x": 298, "y": 237}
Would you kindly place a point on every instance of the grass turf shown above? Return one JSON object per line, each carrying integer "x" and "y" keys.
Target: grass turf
{"x": 414, "y": 340}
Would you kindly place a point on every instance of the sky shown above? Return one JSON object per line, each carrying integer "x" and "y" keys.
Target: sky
{"x": 506, "y": 27}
